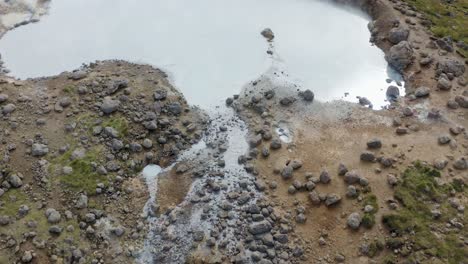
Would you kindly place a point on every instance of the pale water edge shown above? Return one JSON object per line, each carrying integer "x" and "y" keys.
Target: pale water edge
{"x": 210, "y": 48}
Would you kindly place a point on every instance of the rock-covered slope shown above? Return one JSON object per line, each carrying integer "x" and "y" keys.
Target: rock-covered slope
{"x": 73, "y": 146}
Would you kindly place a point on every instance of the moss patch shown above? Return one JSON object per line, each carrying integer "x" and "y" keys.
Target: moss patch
{"x": 375, "y": 247}
{"x": 448, "y": 19}
{"x": 84, "y": 177}
{"x": 118, "y": 123}
{"x": 68, "y": 89}
{"x": 10, "y": 206}
{"x": 414, "y": 222}
{"x": 368, "y": 219}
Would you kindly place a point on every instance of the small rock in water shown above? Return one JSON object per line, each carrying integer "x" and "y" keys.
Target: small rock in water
{"x": 307, "y": 95}
{"x": 364, "y": 101}
{"x": 268, "y": 34}
{"x": 392, "y": 93}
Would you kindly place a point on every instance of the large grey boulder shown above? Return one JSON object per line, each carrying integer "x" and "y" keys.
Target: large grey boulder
{"x": 109, "y": 105}
{"x": 3, "y": 97}
{"x": 452, "y": 66}
{"x": 53, "y": 216}
{"x": 8, "y": 109}
{"x": 392, "y": 93}
{"x": 38, "y": 150}
{"x": 398, "y": 34}
{"x": 15, "y": 181}
{"x": 354, "y": 220}
{"x": 400, "y": 56}
{"x": 422, "y": 91}
{"x": 351, "y": 177}
{"x": 307, "y": 95}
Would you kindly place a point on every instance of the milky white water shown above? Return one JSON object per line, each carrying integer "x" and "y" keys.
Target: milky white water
{"x": 209, "y": 47}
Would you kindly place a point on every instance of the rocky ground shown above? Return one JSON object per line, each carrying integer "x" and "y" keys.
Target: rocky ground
{"x": 364, "y": 186}
{"x": 321, "y": 182}
{"x": 73, "y": 147}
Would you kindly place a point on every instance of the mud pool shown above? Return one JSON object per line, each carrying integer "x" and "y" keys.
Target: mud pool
{"x": 210, "y": 48}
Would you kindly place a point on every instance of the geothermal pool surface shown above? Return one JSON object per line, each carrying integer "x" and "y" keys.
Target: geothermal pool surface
{"x": 210, "y": 48}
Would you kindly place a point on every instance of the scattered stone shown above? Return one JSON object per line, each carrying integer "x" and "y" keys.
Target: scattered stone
{"x": 8, "y": 109}
{"x": 109, "y": 105}
{"x": 445, "y": 44}
{"x": 398, "y": 34}
{"x": 160, "y": 95}
{"x": 77, "y": 75}
{"x": 325, "y": 177}
{"x": 462, "y": 101}
{"x": 351, "y": 191}
{"x": 287, "y": 101}
{"x": 342, "y": 169}
{"x": 351, "y": 177}
{"x": 374, "y": 143}
{"x": 451, "y": 66}
{"x": 287, "y": 172}
{"x": 275, "y": 144}
{"x": 460, "y": 164}
{"x": 440, "y": 164}
{"x": 452, "y": 104}
{"x": 314, "y": 198}
{"x": 53, "y": 216}
{"x": 444, "y": 84}
{"x": 301, "y": 218}
{"x": 400, "y": 55}
{"x": 27, "y": 256}
{"x": 15, "y": 181}
{"x": 38, "y": 150}
{"x": 456, "y": 130}
{"x": 402, "y": 130}
{"x": 296, "y": 164}
{"x": 332, "y": 199}
{"x": 422, "y": 92}
{"x": 3, "y": 97}
{"x": 392, "y": 180}
{"x": 354, "y": 220}
{"x": 444, "y": 139}
{"x": 367, "y": 156}
{"x": 82, "y": 202}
